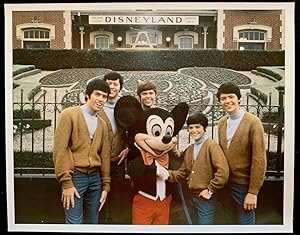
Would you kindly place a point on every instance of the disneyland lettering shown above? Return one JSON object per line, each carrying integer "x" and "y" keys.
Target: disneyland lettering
{"x": 153, "y": 20}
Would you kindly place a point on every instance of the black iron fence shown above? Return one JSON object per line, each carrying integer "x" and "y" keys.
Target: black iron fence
{"x": 35, "y": 121}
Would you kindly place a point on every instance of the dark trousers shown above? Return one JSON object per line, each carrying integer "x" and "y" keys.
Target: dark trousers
{"x": 117, "y": 209}
{"x": 232, "y": 199}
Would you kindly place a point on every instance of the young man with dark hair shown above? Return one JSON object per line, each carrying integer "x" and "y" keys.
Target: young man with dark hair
{"x": 241, "y": 136}
{"x": 81, "y": 156}
{"x": 204, "y": 168}
{"x": 118, "y": 207}
{"x": 147, "y": 93}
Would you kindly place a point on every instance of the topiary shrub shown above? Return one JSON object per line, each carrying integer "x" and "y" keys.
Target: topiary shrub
{"x": 275, "y": 161}
{"x": 35, "y": 124}
{"x": 34, "y": 91}
{"x": 33, "y": 162}
{"x": 15, "y": 85}
{"x": 26, "y": 113}
{"x": 271, "y": 117}
{"x": 259, "y": 94}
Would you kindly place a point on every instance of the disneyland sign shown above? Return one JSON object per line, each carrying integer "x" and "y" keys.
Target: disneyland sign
{"x": 144, "y": 20}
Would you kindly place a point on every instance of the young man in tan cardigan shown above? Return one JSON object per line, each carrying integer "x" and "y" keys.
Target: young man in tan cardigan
{"x": 81, "y": 156}
{"x": 241, "y": 136}
{"x": 204, "y": 168}
{"x": 117, "y": 209}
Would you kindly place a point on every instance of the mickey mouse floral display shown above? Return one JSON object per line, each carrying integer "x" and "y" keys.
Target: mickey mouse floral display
{"x": 151, "y": 137}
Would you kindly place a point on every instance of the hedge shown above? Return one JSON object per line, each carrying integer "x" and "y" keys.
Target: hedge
{"x": 147, "y": 60}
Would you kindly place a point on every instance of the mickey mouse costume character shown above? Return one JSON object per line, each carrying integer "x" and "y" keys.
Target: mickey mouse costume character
{"x": 152, "y": 136}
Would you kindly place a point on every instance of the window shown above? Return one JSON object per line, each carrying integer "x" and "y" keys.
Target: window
{"x": 251, "y": 46}
{"x": 102, "y": 42}
{"x": 153, "y": 38}
{"x": 186, "y": 39}
{"x": 34, "y": 38}
{"x": 35, "y": 45}
{"x": 36, "y": 33}
{"x": 252, "y": 35}
{"x": 186, "y": 42}
{"x": 101, "y": 39}
{"x": 251, "y": 40}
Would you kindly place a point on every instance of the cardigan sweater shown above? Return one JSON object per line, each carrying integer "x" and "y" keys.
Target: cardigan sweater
{"x": 117, "y": 140}
{"x": 246, "y": 154}
{"x": 210, "y": 169}
{"x": 74, "y": 150}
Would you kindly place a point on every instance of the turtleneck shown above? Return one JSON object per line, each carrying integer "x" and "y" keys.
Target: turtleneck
{"x": 110, "y": 104}
{"x": 90, "y": 118}
{"x": 198, "y": 144}
{"x": 109, "y": 108}
{"x": 237, "y": 115}
{"x": 232, "y": 123}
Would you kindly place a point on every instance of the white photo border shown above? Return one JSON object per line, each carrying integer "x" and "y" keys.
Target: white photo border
{"x": 289, "y": 132}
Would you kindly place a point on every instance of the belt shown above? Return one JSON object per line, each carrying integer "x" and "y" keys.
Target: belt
{"x": 88, "y": 170}
{"x": 92, "y": 170}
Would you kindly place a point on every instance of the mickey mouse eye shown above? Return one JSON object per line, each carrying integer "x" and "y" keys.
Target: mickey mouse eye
{"x": 169, "y": 130}
{"x": 156, "y": 130}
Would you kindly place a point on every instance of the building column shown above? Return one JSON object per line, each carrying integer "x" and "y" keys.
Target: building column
{"x": 204, "y": 36}
{"x": 220, "y": 29}
{"x": 81, "y": 32}
{"x": 68, "y": 29}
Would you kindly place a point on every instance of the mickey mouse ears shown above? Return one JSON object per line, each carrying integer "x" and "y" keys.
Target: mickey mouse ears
{"x": 127, "y": 112}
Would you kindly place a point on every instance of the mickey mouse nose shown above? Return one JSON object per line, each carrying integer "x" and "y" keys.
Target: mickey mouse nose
{"x": 167, "y": 138}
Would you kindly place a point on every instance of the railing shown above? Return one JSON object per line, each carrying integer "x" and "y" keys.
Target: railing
{"x": 34, "y": 133}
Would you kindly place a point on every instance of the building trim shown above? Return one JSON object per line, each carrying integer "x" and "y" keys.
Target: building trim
{"x": 236, "y": 30}
{"x": 101, "y": 32}
{"x": 220, "y": 29}
{"x": 68, "y": 29}
{"x": 21, "y": 27}
{"x": 186, "y": 33}
{"x": 282, "y": 30}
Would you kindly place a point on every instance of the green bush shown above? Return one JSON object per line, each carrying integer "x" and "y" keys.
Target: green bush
{"x": 271, "y": 117}
{"x": 275, "y": 161}
{"x": 15, "y": 85}
{"x": 260, "y": 94}
{"x": 276, "y": 73}
{"x": 34, "y": 91}
{"x": 35, "y": 124}
{"x": 26, "y": 113}
{"x": 18, "y": 69}
{"x": 30, "y": 159}
{"x": 147, "y": 60}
